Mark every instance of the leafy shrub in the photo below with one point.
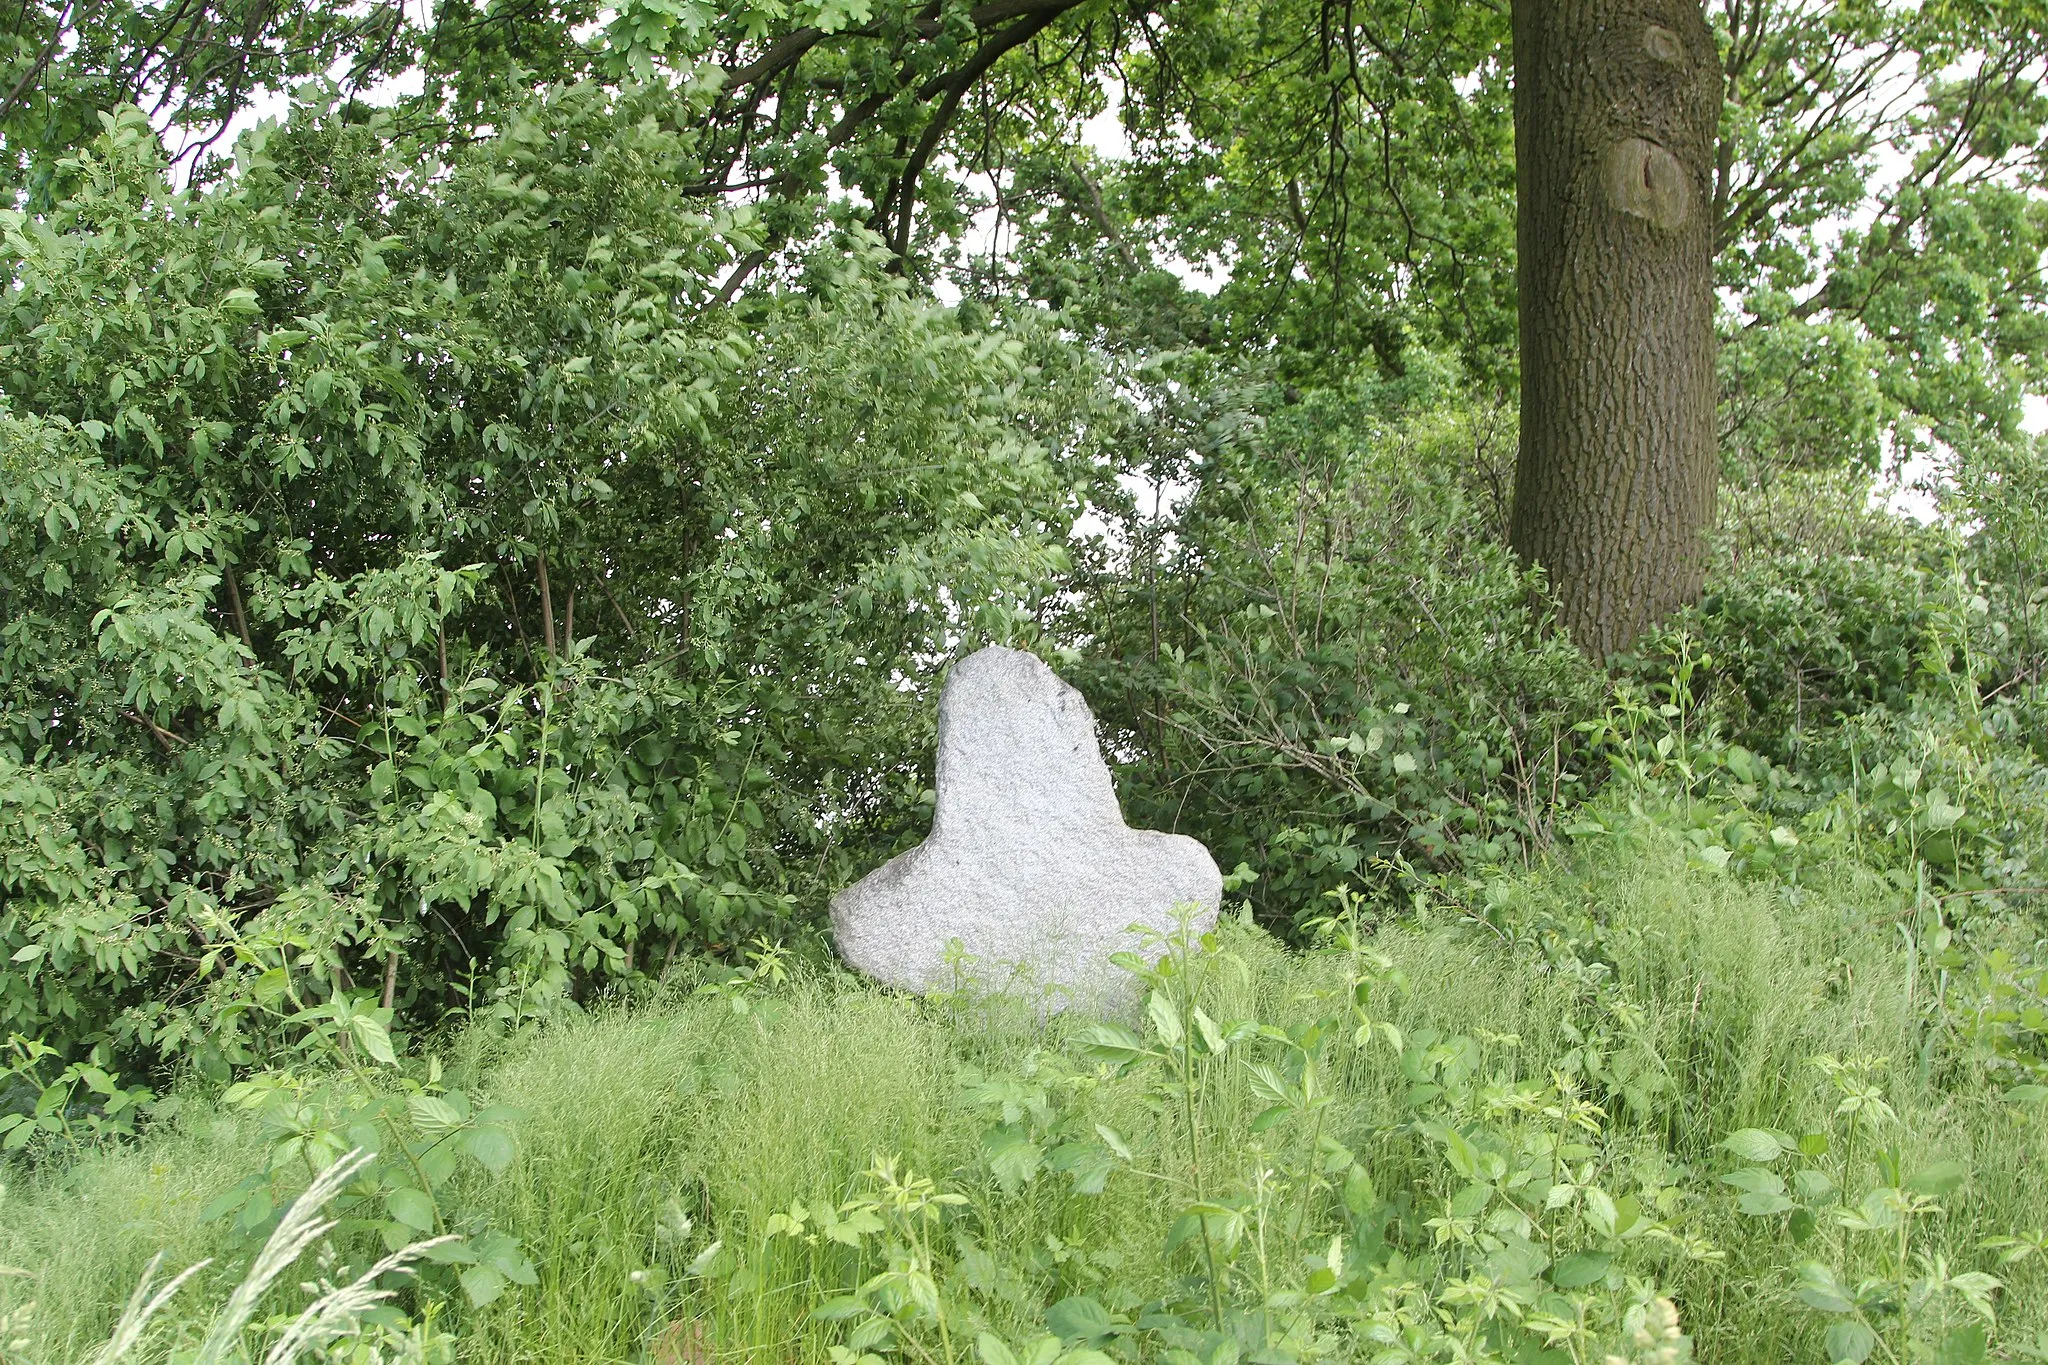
(1817, 609)
(469, 610)
(1335, 671)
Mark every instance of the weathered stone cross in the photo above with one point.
(1029, 866)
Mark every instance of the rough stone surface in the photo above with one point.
(1029, 865)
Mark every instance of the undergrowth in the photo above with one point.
(1530, 1121)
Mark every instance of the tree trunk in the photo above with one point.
(1616, 106)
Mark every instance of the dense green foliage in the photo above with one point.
(290, 686)
(477, 558)
(750, 1166)
(1281, 671)
(464, 553)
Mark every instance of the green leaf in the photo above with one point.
(1114, 1140)
(1079, 1319)
(1111, 1043)
(374, 1039)
(508, 1260)
(1268, 1084)
(1849, 1343)
(1754, 1144)
(1359, 1194)
(1468, 1202)
(1942, 1178)
(1813, 1185)
(491, 1146)
(1764, 1205)
(993, 1350)
(1012, 1156)
(1965, 1345)
(1270, 1118)
(412, 1207)
(1088, 1163)
(874, 1332)
(222, 1205)
(436, 1114)
(1600, 1211)
(1754, 1180)
(1818, 1288)
(483, 1285)
(1580, 1270)
(1165, 1019)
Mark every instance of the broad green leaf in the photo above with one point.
(1964, 1345)
(1578, 1271)
(1754, 1144)
(1819, 1288)
(1165, 1019)
(1110, 1043)
(1850, 1342)
(1941, 1178)
(374, 1038)
(412, 1207)
(1012, 1156)
(483, 1285)
(1079, 1319)
(491, 1146)
(436, 1114)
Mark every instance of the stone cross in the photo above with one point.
(1030, 867)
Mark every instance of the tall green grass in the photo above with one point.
(653, 1131)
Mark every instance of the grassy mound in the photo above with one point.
(1530, 1145)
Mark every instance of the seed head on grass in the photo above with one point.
(331, 1315)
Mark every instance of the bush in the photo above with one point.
(470, 610)
(1334, 671)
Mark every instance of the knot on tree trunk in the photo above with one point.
(1646, 181)
(1663, 45)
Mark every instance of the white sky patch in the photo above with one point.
(1158, 500)
(1912, 487)
(1908, 488)
(265, 105)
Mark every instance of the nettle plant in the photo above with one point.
(411, 1133)
(1863, 1220)
(1503, 1224)
(1515, 1235)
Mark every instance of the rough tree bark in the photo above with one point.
(1616, 106)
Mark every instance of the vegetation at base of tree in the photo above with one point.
(1527, 1114)
(477, 558)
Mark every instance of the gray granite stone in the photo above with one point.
(1029, 867)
